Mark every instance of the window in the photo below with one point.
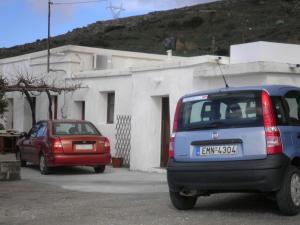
(232, 109)
(110, 107)
(279, 110)
(39, 130)
(69, 128)
(101, 62)
(83, 110)
(42, 130)
(291, 102)
(54, 106)
(33, 131)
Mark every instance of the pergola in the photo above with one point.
(29, 85)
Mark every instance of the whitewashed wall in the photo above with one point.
(265, 52)
(139, 82)
(148, 89)
(67, 62)
(95, 97)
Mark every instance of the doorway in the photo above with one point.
(165, 131)
(54, 99)
(28, 113)
(79, 110)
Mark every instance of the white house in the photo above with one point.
(143, 86)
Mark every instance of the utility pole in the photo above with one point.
(50, 3)
(48, 41)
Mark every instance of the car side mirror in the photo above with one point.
(24, 134)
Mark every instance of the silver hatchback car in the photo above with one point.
(243, 139)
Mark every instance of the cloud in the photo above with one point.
(66, 12)
(63, 12)
(38, 5)
(155, 5)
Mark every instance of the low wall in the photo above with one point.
(9, 168)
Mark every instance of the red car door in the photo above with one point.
(24, 148)
(39, 142)
(26, 145)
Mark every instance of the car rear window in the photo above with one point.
(221, 110)
(74, 128)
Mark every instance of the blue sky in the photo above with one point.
(24, 21)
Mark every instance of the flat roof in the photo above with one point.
(271, 89)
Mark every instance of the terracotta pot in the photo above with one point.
(117, 162)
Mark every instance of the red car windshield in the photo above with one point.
(74, 128)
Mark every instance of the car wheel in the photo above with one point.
(43, 165)
(19, 157)
(288, 197)
(99, 169)
(182, 202)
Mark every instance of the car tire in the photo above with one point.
(99, 169)
(43, 165)
(182, 202)
(19, 157)
(288, 197)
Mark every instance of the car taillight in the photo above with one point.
(273, 139)
(56, 145)
(106, 145)
(175, 127)
(176, 117)
(171, 146)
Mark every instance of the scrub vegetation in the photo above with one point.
(3, 102)
(201, 29)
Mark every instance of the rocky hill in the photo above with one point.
(201, 29)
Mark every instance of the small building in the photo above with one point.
(144, 88)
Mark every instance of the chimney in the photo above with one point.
(169, 53)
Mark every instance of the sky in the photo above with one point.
(25, 21)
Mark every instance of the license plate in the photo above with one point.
(84, 147)
(216, 150)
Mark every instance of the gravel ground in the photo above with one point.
(32, 202)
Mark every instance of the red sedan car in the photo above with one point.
(57, 143)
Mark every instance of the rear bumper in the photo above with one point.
(78, 160)
(251, 175)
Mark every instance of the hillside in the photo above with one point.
(201, 29)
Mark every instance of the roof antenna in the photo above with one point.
(219, 65)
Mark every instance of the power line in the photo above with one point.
(76, 2)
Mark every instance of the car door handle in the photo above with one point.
(298, 135)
